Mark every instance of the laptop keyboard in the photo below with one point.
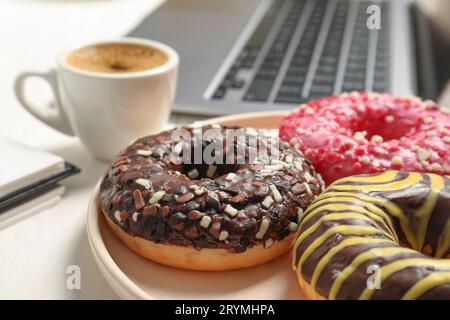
(304, 49)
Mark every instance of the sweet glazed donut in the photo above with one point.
(207, 217)
(370, 132)
(394, 223)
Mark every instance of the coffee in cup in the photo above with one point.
(117, 58)
(107, 93)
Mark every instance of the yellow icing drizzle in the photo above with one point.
(342, 245)
(412, 178)
(337, 216)
(359, 260)
(422, 215)
(333, 216)
(344, 230)
(392, 208)
(443, 242)
(427, 283)
(372, 211)
(384, 177)
(332, 207)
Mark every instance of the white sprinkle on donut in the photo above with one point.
(274, 167)
(360, 135)
(268, 243)
(349, 153)
(205, 222)
(262, 228)
(436, 167)
(230, 176)
(389, 118)
(293, 226)
(200, 191)
(279, 162)
(211, 171)
(397, 160)
(289, 158)
(135, 216)
(117, 216)
(178, 148)
(157, 196)
(230, 210)
(309, 111)
(193, 174)
(267, 202)
(376, 139)
(308, 188)
(144, 182)
(425, 164)
(144, 153)
(423, 154)
(428, 120)
(300, 214)
(307, 176)
(365, 159)
(276, 194)
(223, 235)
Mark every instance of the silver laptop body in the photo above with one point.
(243, 56)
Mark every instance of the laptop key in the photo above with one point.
(293, 99)
(260, 34)
(270, 73)
(247, 62)
(351, 86)
(259, 90)
(321, 90)
(220, 93)
(293, 79)
(290, 89)
(237, 84)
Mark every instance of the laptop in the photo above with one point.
(254, 55)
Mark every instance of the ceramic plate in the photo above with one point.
(133, 277)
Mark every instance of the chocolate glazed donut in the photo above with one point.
(208, 216)
(394, 224)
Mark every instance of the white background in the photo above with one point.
(35, 253)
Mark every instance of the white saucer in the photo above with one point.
(133, 277)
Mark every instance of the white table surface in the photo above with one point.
(35, 253)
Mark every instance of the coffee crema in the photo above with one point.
(117, 58)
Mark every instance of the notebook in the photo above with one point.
(34, 205)
(29, 180)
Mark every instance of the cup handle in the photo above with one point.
(52, 114)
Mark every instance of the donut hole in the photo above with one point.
(212, 170)
(390, 126)
(216, 155)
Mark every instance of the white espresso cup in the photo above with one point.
(106, 110)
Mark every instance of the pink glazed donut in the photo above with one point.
(356, 133)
